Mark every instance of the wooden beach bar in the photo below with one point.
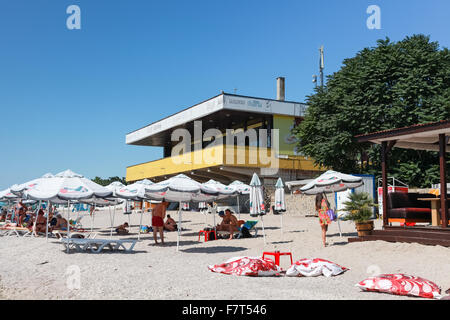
(432, 137)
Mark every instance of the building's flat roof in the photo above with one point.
(224, 101)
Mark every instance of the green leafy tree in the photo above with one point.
(392, 85)
(105, 182)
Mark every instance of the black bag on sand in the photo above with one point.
(211, 236)
(245, 233)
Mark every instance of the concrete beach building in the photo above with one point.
(226, 138)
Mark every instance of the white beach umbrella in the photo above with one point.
(223, 191)
(180, 188)
(257, 207)
(330, 182)
(68, 186)
(280, 201)
(240, 188)
(19, 189)
(8, 195)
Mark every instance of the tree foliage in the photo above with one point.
(107, 181)
(392, 85)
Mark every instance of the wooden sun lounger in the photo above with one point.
(97, 245)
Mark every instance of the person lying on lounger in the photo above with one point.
(170, 224)
(122, 229)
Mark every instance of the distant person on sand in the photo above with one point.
(158, 215)
(170, 224)
(122, 229)
(322, 206)
(229, 223)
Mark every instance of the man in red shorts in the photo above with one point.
(158, 215)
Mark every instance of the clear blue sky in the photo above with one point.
(69, 97)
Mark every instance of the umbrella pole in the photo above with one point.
(110, 220)
(48, 214)
(92, 218)
(68, 224)
(179, 225)
(35, 220)
(281, 218)
(140, 222)
(264, 232)
(239, 210)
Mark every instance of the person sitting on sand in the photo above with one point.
(41, 222)
(170, 224)
(122, 229)
(229, 223)
(61, 223)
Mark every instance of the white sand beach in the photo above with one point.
(31, 268)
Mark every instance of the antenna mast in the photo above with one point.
(321, 65)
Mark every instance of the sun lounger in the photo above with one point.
(74, 234)
(97, 245)
(17, 231)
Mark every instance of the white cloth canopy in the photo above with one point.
(332, 181)
(7, 195)
(19, 189)
(66, 185)
(256, 197)
(257, 201)
(181, 188)
(240, 187)
(280, 201)
(223, 191)
(135, 191)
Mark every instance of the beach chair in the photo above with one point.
(74, 233)
(17, 231)
(97, 245)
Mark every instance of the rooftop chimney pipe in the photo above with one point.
(280, 89)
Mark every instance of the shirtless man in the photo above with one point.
(170, 224)
(158, 215)
(122, 229)
(229, 223)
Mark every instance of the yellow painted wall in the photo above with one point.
(234, 156)
(287, 141)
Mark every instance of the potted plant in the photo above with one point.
(359, 207)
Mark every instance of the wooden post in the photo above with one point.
(443, 172)
(384, 180)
